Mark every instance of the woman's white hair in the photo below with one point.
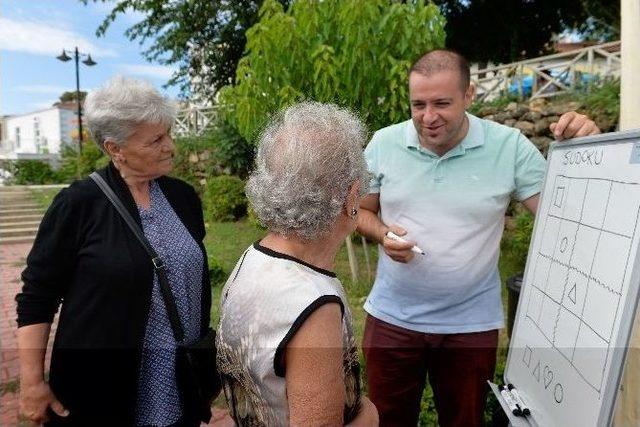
(114, 110)
(307, 160)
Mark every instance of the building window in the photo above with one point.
(36, 133)
(17, 137)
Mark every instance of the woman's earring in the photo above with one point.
(354, 213)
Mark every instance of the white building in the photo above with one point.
(38, 135)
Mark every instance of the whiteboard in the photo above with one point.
(580, 288)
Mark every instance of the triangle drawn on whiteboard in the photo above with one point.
(572, 294)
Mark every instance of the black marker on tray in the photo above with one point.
(518, 399)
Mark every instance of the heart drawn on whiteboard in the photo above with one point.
(547, 374)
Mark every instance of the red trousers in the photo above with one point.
(457, 365)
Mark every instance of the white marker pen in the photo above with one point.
(393, 236)
(513, 406)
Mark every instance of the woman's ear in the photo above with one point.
(111, 148)
(352, 203)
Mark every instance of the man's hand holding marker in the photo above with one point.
(397, 248)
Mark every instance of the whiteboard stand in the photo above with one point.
(513, 420)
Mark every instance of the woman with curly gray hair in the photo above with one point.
(286, 349)
(114, 357)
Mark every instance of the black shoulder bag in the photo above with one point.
(198, 380)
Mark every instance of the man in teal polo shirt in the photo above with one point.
(443, 180)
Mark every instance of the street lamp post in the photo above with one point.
(89, 62)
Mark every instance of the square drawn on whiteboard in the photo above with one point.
(558, 197)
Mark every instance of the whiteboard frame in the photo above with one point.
(627, 320)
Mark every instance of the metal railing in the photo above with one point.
(549, 75)
(194, 120)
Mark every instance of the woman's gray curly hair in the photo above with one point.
(114, 110)
(307, 159)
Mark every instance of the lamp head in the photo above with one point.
(64, 57)
(90, 62)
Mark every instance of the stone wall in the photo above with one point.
(533, 118)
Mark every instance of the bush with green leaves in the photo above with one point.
(220, 151)
(350, 52)
(30, 172)
(515, 241)
(75, 165)
(224, 198)
(601, 102)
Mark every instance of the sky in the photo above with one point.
(34, 32)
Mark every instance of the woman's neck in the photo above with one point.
(320, 253)
(138, 186)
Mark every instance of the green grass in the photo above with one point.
(225, 243)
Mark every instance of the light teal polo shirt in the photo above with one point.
(453, 207)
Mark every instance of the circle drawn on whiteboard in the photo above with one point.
(558, 393)
(563, 244)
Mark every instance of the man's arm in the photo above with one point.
(370, 226)
(532, 203)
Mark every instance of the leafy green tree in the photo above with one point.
(204, 38)
(603, 23)
(349, 52)
(507, 30)
(71, 96)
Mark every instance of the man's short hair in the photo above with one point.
(443, 60)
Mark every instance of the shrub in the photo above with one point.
(231, 150)
(224, 198)
(31, 172)
(221, 151)
(217, 275)
(515, 241)
(602, 103)
(74, 165)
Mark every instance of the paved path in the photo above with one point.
(12, 260)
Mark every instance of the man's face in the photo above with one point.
(438, 104)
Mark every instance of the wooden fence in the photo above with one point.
(549, 75)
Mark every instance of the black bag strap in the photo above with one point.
(158, 265)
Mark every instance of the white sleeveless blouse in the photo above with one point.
(267, 297)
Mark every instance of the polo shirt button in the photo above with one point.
(438, 179)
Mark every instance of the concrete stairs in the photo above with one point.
(20, 215)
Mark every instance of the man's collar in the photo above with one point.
(474, 137)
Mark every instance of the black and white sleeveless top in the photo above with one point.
(267, 297)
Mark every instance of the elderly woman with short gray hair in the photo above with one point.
(286, 349)
(113, 358)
